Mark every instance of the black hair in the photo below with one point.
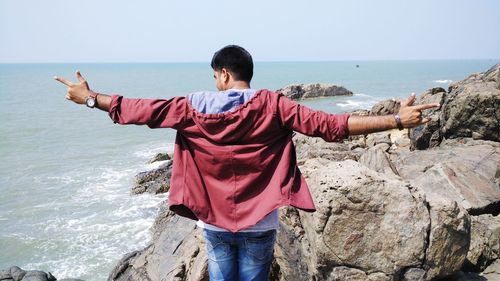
(236, 60)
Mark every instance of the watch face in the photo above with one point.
(90, 102)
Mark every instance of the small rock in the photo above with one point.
(17, 273)
(160, 157)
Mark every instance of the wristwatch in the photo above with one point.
(91, 101)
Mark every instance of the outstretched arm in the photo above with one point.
(79, 92)
(410, 116)
(156, 113)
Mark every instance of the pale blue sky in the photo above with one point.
(180, 31)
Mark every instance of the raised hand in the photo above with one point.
(411, 115)
(78, 92)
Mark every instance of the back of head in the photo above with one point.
(236, 60)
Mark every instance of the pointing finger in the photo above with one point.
(426, 106)
(64, 81)
(409, 101)
(79, 76)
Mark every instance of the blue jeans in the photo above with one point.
(240, 256)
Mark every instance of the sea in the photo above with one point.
(66, 171)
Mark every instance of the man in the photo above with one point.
(234, 159)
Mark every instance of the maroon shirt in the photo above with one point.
(232, 169)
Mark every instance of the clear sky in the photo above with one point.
(185, 31)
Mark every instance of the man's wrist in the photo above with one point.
(397, 119)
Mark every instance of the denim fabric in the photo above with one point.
(244, 256)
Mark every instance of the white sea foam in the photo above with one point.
(445, 81)
(152, 150)
(356, 104)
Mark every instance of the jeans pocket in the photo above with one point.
(217, 249)
(261, 248)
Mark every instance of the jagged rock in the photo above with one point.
(485, 242)
(472, 107)
(428, 135)
(468, 109)
(176, 253)
(160, 157)
(305, 91)
(154, 181)
(385, 107)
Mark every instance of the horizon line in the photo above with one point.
(263, 61)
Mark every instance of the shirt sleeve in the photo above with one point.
(300, 118)
(155, 113)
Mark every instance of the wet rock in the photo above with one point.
(305, 91)
(36, 275)
(15, 273)
(154, 181)
(160, 157)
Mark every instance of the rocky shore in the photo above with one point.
(420, 204)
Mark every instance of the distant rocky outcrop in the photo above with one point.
(307, 91)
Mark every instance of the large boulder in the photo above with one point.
(306, 91)
(367, 226)
(464, 173)
(469, 109)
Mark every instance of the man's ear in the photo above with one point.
(225, 75)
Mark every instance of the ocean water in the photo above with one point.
(66, 171)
